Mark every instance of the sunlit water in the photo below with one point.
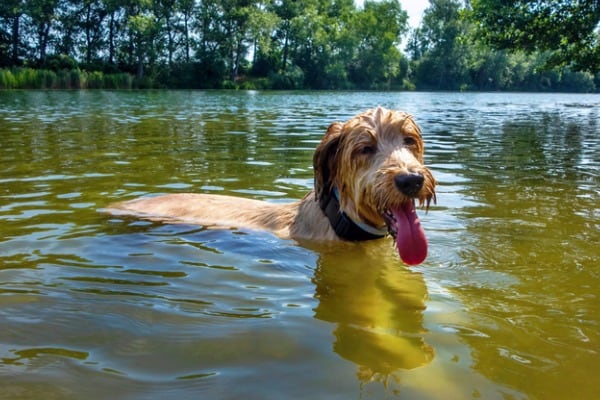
(92, 306)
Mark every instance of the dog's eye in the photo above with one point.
(410, 141)
(367, 150)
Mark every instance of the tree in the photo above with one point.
(444, 52)
(379, 28)
(42, 14)
(240, 25)
(286, 10)
(568, 28)
(11, 11)
(113, 9)
(144, 27)
(308, 44)
(186, 7)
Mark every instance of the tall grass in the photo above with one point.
(29, 78)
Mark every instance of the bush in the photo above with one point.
(256, 84)
(118, 81)
(58, 62)
(408, 85)
(46, 79)
(229, 84)
(292, 78)
(29, 78)
(78, 79)
(572, 81)
(7, 79)
(95, 80)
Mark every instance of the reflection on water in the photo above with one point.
(506, 305)
(536, 203)
(377, 309)
(529, 254)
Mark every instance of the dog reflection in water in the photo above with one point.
(377, 308)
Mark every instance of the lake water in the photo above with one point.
(92, 306)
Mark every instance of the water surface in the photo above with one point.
(92, 306)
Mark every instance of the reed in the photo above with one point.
(29, 78)
(7, 79)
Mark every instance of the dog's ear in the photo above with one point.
(324, 160)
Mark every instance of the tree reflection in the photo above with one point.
(529, 247)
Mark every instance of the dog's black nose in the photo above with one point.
(409, 184)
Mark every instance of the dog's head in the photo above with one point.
(375, 161)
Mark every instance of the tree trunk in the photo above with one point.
(43, 32)
(15, 40)
(111, 38)
(187, 38)
(140, 66)
(88, 39)
(285, 45)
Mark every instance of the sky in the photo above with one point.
(414, 8)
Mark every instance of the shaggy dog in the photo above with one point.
(368, 173)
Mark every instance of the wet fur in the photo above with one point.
(360, 157)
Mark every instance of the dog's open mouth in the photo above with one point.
(404, 225)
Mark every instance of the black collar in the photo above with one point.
(343, 226)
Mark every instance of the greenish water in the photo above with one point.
(91, 306)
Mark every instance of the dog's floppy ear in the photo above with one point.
(325, 157)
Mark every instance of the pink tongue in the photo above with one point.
(410, 238)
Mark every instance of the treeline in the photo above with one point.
(263, 44)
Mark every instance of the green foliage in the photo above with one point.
(440, 42)
(29, 78)
(448, 54)
(299, 44)
(291, 78)
(57, 62)
(95, 80)
(569, 28)
(7, 79)
(379, 28)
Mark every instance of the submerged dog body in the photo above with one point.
(301, 219)
(368, 173)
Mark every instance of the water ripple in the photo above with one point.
(506, 302)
